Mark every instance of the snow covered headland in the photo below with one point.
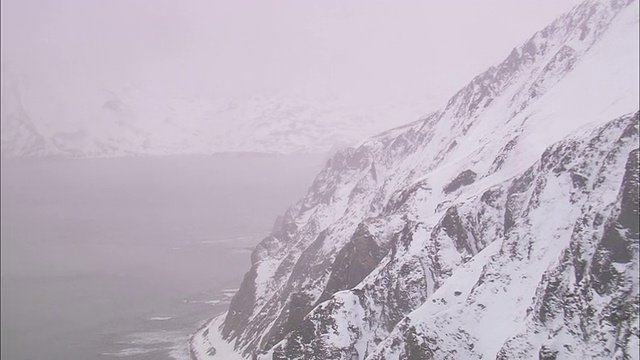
(502, 226)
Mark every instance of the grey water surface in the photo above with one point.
(126, 257)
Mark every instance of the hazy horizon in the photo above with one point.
(381, 51)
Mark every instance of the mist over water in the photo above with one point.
(125, 258)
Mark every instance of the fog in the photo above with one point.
(359, 51)
(95, 251)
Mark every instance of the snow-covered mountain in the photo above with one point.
(132, 120)
(504, 225)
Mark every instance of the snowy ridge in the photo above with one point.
(412, 244)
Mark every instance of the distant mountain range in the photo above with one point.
(133, 121)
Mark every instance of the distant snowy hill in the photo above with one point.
(503, 226)
(134, 121)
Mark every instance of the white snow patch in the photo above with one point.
(208, 343)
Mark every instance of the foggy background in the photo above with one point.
(357, 51)
(127, 257)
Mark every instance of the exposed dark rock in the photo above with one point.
(304, 342)
(579, 181)
(354, 262)
(416, 347)
(299, 306)
(491, 197)
(513, 205)
(547, 353)
(466, 177)
(503, 154)
(243, 300)
(621, 235)
(551, 299)
(454, 228)
(292, 316)
(628, 218)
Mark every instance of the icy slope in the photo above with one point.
(389, 228)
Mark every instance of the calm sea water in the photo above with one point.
(125, 258)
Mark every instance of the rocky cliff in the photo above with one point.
(502, 226)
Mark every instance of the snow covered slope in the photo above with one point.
(503, 225)
(135, 121)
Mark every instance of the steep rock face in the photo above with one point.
(420, 260)
(587, 306)
(548, 286)
(434, 219)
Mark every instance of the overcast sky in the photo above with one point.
(351, 49)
